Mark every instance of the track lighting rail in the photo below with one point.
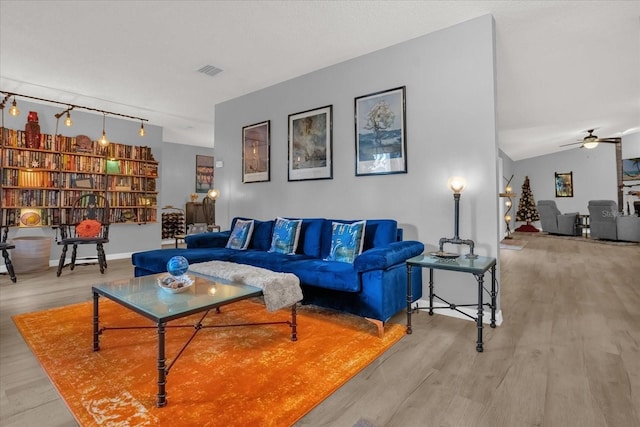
(70, 106)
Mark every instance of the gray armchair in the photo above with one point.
(607, 223)
(555, 222)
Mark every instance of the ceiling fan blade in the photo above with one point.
(573, 143)
(610, 140)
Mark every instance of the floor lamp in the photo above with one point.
(508, 194)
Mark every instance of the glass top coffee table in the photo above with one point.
(144, 296)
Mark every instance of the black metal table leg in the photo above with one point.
(431, 292)
(409, 298)
(162, 373)
(480, 278)
(96, 322)
(493, 297)
(294, 331)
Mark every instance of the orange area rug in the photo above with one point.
(235, 376)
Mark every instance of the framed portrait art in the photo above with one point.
(310, 145)
(564, 184)
(256, 149)
(204, 173)
(381, 135)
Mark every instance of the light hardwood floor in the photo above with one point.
(567, 353)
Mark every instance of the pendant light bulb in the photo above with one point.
(141, 131)
(103, 141)
(67, 121)
(14, 108)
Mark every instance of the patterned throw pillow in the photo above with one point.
(286, 234)
(88, 228)
(241, 235)
(346, 241)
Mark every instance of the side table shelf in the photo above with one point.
(478, 267)
(583, 225)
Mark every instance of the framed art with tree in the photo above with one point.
(381, 136)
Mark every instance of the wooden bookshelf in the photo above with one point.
(38, 184)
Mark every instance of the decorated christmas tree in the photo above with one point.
(527, 210)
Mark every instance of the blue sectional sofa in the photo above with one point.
(373, 286)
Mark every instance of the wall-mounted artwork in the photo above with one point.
(631, 169)
(256, 148)
(380, 125)
(310, 144)
(204, 173)
(564, 184)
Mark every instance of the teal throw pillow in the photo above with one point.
(240, 235)
(286, 234)
(346, 241)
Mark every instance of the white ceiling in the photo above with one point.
(562, 66)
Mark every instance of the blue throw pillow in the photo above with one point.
(241, 235)
(286, 234)
(346, 241)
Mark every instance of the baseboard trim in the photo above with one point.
(468, 310)
(79, 261)
(90, 259)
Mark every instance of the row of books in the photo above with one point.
(130, 199)
(24, 178)
(71, 144)
(39, 198)
(131, 167)
(79, 163)
(123, 151)
(29, 159)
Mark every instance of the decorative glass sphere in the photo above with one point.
(177, 266)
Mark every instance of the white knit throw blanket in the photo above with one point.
(280, 290)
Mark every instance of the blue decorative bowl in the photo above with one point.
(177, 266)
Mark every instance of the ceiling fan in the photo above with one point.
(591, 141)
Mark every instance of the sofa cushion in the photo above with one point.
(326, 274)
(380, 232)
(270, 260)
(240, 235)
(310, 233)
(346, 241)
(286, 234)
(155, 261)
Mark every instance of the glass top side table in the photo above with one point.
(478, 267)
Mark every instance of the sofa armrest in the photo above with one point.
(384, 257)
(567, 223)
(628, 228)
(207, 240)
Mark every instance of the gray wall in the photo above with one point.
(178, 173)
(123, 238)
(594, 174)
(450, 80)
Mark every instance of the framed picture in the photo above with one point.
(310, 144)
(381, 133)
(631, 169)
(564, 184)
(256, 147)
(204, 173)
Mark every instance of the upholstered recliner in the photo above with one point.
(607, 223)
(555, 222)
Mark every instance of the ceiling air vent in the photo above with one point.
(209, 70)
